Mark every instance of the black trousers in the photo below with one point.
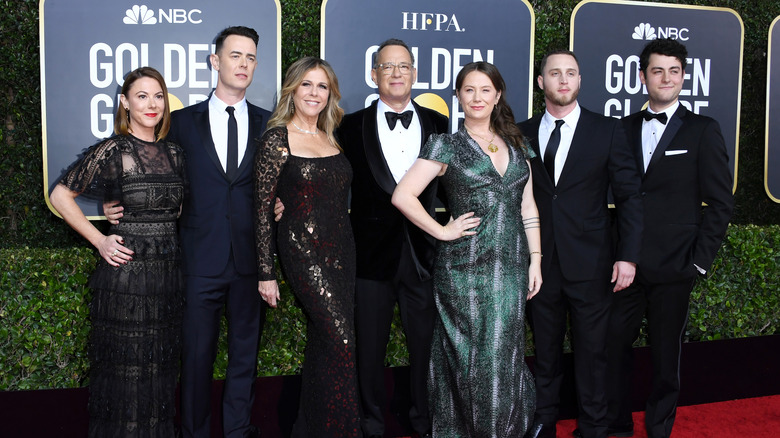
(587, 303)
(666, 307)
(206, 297)
(374, 305)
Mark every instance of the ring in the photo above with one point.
(462, 234)
(113, 254)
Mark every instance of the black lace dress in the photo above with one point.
(136, 308)
(317, 251)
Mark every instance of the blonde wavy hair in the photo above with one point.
(331, 115)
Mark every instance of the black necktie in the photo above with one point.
(393, 117)
(232, 144)
(552, 149)
(661, 117)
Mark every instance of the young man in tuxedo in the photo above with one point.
(579, 156)
(220, 262)
(684, 166)
(394, 257)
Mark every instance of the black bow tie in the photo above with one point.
(393, 117)
(661, 117)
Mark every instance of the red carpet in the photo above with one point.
(750, 417)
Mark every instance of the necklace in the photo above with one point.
(491, 147)
(316, 131)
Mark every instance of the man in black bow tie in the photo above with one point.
(684, 164)
(394, 257)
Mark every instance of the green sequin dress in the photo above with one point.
(480, 385)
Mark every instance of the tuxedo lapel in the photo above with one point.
(204, 131)
(532, 134)
(255, 128)
(373, 148)
(426, 124)
(635, 140)
(672, 126)
(576, 148)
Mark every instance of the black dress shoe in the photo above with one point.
(619, 431)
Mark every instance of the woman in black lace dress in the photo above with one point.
(136, 287)
(300, 161)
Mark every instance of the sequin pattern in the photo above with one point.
(317, 252)
(479, 383)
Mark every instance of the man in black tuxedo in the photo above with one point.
(580, 155)
(216, 225)
(684, 164)
(394, 257)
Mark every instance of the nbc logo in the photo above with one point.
(143, 15)
(644, 32)
(139, 15)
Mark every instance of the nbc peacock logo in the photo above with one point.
(644, 31)
(139, 15)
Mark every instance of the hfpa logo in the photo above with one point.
(431, 21)
(644, 31)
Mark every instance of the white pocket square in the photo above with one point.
(677, 152)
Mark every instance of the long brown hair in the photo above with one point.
(502, 120)
(122, 119)
(331, 115)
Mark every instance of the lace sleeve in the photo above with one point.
(272, 153)
(96, 173)
(178, 157)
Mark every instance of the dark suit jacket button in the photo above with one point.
(555, 196)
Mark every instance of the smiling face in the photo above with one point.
(311, 96)
(560, 80)
(395, 87)
(145, 104)
(478, 96)
(663, 78)
(235, 63)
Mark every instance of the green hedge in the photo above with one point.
(25, 219)
(44, 317)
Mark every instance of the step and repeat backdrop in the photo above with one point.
(444, 36)
(608, 37)
(772, 157)
(87, 46)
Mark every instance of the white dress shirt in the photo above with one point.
(218, 121)
(652, 130)
(401, 146)
(546, 127)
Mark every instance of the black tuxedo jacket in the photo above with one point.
(379, 227)
(575, 219)
(217, 214)
(689, 166)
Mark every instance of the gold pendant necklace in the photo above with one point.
(491, 147)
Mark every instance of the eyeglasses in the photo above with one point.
(387, 67)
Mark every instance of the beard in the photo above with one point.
(562, 100)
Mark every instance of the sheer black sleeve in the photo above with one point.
(272, 153)
(96, 173)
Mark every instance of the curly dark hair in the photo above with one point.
(666, 47)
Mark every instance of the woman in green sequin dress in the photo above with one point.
(487, 264)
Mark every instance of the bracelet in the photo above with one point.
(537, 252)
